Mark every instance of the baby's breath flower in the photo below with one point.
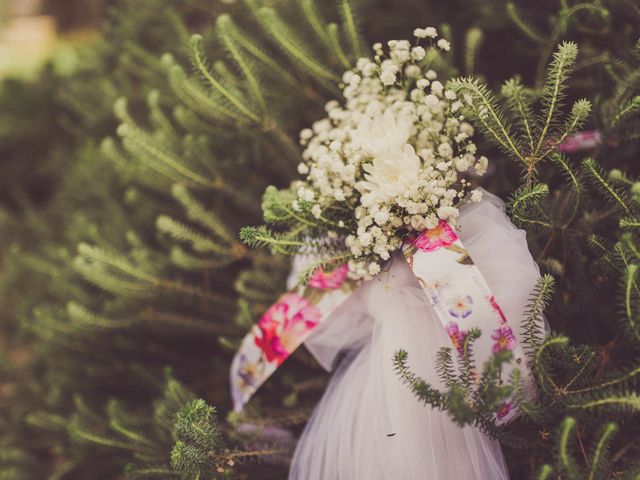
(422, 83)
(387, 161)
(444, 44)
(437, 88)
(374, 268)
(429, 32)
(388, 77)
(431, 75)
(417, 53)
(419, 33)
(476, 195)
(481, 166)
(412, 71)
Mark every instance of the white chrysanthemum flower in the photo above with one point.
(392, 173)
(384, 133)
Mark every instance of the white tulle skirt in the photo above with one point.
(368, 425)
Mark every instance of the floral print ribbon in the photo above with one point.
(577, 142)
(454, 285)
(283, 328)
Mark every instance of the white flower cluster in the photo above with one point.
(388, 162)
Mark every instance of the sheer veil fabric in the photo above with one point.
(368, 425)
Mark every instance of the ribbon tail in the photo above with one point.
(278, 333)
(462, 300)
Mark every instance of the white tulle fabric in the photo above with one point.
(368, 425)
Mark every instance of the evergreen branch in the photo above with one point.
(628, 222)
(197, 99)
(109, 282)
(630, 109)
(520, 105)
(293, 46)
(445, 368)
(327, 262)
(81, 315)
(545, 472)
(350, 25)
(160, 119)
(566, 460)
(256, 287)
(224, 24)
(630, 401)
(540, 370)
(466, 359)
(534, 311)
(130, 434)
(489, 114)
(586, 363)
(576, 185)
(618, 380)
(425, 392)
(315, 20)
(334, 37)
(233, 98)
(253, 46)
(328, 35)
(187, 261)
(163, 162)
(553, 91)
(600, 450)
(630, 285)
(262, 237)
(144, 281)
(197, 213)
(579, 113)
(521, 203)
(277, 207)
(595, 173)
(116, 261)
(518, 21)
(473, 41)
(191, 121)
(199, 242)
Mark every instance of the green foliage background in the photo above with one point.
(124, 286)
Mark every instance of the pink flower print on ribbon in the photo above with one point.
(435, 238)
(581, 141)
(461, 307)
(284, 325)
(504, 339)
(332, 280)
(457, 336)
(504, 410)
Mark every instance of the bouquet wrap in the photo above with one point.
(449, 278)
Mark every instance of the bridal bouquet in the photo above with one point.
(388, 164)
(387, 171)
